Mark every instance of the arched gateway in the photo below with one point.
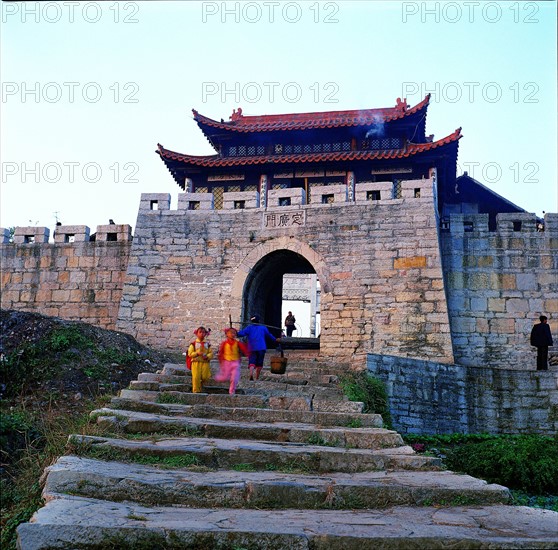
(258, 282)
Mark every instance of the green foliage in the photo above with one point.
(29, 443)
(354, 423)
(528, 463)
(361, 386)
(549, 502)
(50, 357)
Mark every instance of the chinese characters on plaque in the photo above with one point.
(278, 220)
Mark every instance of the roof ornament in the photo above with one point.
(401, 105)
(236, 115)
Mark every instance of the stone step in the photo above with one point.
(295, 377)
(252, 414)
(271, 399)
(77, 522)
(294, 432)
(225, 453)
(307, 367)
(247, 489)
(221, 398)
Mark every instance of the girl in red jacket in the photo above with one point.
(229, 359)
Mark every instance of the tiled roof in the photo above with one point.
(215, 161)
(302, 121)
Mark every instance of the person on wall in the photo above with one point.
(290, 323)
(541, 338)
(256, 336)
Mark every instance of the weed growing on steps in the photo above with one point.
(244, 467)
(361, 386)
(354, 423)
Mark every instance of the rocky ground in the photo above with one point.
(42, 356)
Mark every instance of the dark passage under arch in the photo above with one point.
(262, 294)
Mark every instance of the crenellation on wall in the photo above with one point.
(4, 235)
(319, 194)
(155, 201)
(195, 201)
(113, 233)
(240, 200)
(292, 197)
(417, 189)
(31, 235)
(71, 233)
(374, 191)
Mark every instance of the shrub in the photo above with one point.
(526, 462)
(361, 386)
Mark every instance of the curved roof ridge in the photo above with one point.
(217, 161)
(319, 119)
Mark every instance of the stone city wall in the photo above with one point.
(498, 284)
(73, 278)
(433, 398)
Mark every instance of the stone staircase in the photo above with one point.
(288, 462)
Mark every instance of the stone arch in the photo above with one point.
(268, 262)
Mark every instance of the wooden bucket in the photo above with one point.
(278, 364)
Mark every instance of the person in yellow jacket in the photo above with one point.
(201, 353)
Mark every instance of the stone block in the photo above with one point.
(241, 200)
(113, 233)
(154, 202)
(71, 233)
(195, 201)
(328, 194)
(374, 191)
(30, 235)
(286, 197)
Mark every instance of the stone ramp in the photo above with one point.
(76, 522)
(247, 488)
(280, 465)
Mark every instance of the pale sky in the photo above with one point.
(89, 89)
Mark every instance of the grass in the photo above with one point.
(34, 362)
(29, 442)
(361, 386)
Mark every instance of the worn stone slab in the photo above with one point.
(296, 432)
(274, 413)
(84, 522)
(225, 453)
(154, 486)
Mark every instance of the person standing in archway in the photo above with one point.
(290, 323)
(257, 335)
(541, 338)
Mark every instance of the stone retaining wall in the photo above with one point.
(435, 398)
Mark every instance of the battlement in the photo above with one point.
(507, 224)
(364, 192)
(64, 234)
